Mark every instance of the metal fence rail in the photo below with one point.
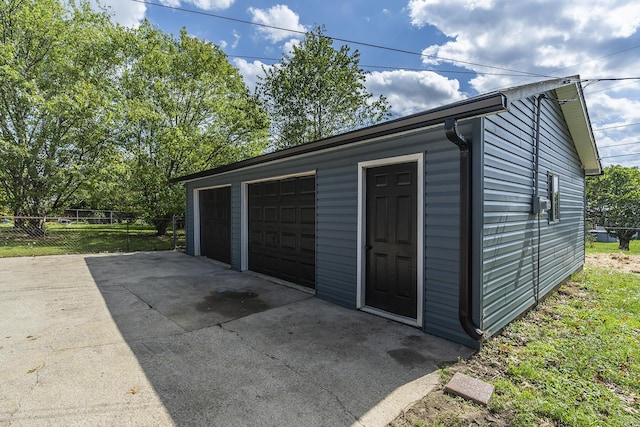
(32, 236)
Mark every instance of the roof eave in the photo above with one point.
(574, 108)
(469, 108)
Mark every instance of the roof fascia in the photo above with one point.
(574, 108)
(473, 107)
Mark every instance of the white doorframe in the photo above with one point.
(362, 215)
(196, 215)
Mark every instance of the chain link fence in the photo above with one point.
(33, 236)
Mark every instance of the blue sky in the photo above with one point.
(461, 48)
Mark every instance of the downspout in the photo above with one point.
(535, 205)
(465, 294)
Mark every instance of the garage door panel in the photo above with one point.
(288, 214)
(308, 215)
(270, 189)
(283, 213)
(255, 214)
(288, 187)
(308, 185)
(288, 241)
(308, 243)
(271, 214)
(215, 223)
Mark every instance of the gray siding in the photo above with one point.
(337, 209)
(505, 234)
(442, 210)
(510, 232)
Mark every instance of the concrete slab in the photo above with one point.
(470, 388)
(168, 339)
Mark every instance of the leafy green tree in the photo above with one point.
(613, 201)
(186, 109)
(57, 73)
(318, 91)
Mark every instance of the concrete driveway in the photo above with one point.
(167, 339)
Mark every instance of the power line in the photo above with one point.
(616, 127)
(621, 155)
(519, 73)
(611, 79)
(597, 58)
(372, 45)
(610, 87)
(388, 67)
(620, 145)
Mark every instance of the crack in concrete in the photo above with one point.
(297, 372)
(28, 393)
(150, 307)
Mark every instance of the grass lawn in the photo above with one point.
(84, 238)
(606, 248)
(573, 361)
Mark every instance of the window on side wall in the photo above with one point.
(554, 197)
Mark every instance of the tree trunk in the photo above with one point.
(624, 244)
(161, 225)
(33, 227)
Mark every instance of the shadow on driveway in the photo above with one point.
(165, 338)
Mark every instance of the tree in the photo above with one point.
(186, 109)
(613, 201)
(317, 91)
(57, 67)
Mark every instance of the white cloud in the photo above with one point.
(612, 110)
(277, 16)
(287, 48)
(547, 38)
(125, 12)
(250, 71)
(410, 92)
(170, 3)
(208, 4)
(130, 13)
(540, 36)
(236, 39)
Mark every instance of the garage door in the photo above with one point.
(215, 223)
(282, 229)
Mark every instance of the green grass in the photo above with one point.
(572, 361)
(84, 238)
(575, 360)
(610, 248)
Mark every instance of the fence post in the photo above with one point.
(173, 218)
(128, 234)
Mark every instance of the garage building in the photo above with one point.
(455, 220)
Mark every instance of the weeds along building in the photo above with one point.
(455, 220)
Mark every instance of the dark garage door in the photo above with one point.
(282, 222)
(215, 223)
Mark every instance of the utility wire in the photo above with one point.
(519, 73)
(620, 145)
(372, 45)
(621, 155)
(388, 67)
(597, 58)
(616, 127)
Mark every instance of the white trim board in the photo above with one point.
(361, 260)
